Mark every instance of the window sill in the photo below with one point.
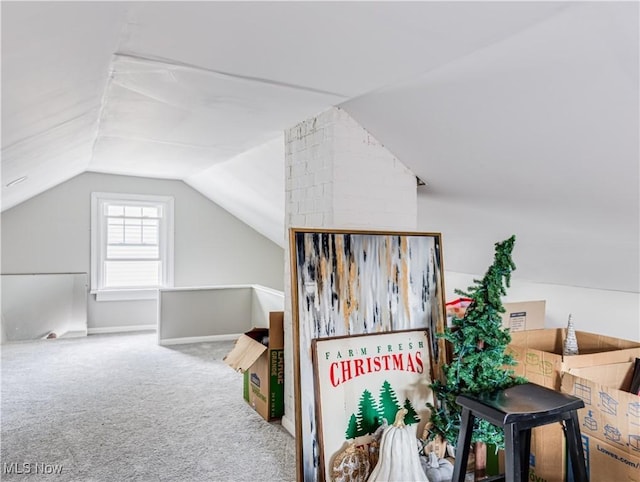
(126, 295)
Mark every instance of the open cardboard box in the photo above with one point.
(540, 360)
(611, 414)
(263, 366)
(606, 462)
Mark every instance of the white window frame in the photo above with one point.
(99, 244)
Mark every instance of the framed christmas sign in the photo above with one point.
(360, 384)
(347, 283)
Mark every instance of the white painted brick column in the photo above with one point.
(339, 177)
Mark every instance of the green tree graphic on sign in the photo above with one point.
(389, 405)
(367, 417)
(370, 414)
(352, 429)
(412, 415)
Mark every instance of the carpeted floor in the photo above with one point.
(122, 408)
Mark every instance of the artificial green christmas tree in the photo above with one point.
(479, 362)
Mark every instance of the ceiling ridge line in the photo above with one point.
(248, 78)
(123, 32)
(234, 157)
(103, 103)
(156, 141)
(489, 43)
(148, 95)
(60, 125)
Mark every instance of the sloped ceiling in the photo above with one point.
(524, 109)
(538, 135)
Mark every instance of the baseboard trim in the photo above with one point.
(120, 329)
(74, 334)
(197, 339)
(288, 425)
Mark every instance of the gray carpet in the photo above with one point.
(120, 407)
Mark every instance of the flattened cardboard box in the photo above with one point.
(262, 366)
(606, 463)
(524, 315)
(611, 414)
(540, 360)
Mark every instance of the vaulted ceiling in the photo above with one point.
(521, 116)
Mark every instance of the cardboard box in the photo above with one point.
(518, 316)
(611, 414)
(524, 315)
(548, 457)
(540, 360)
(606, 462)
(263, 366)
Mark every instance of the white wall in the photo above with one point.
(35, 305)
(205, 313)
(575, 271)
(606, 312)
(264, 301)
(189, 315)
(50, 233)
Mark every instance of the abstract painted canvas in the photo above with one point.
(353, 283)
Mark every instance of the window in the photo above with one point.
(131, 245)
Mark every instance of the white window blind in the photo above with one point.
(133, 246)
(132, 242)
